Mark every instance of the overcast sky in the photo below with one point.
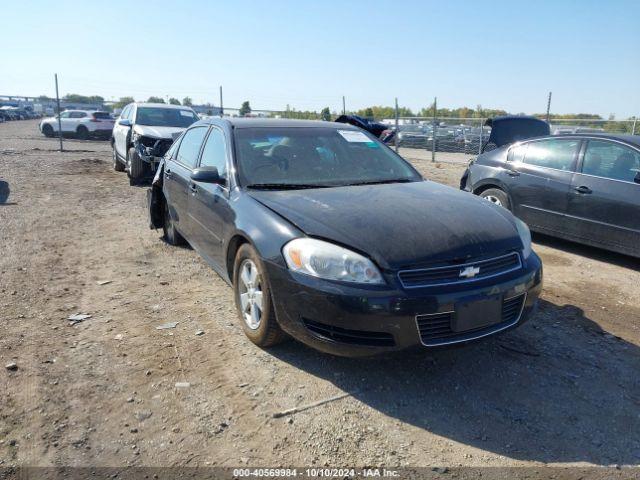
(500, 54)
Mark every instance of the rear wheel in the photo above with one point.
(47, 130)
(82, 133)
(497, 196)
(253, 299)
(135, 167)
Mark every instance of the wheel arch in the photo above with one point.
(233, 246)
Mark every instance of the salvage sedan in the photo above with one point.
(328, 236)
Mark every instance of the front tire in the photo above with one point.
(497, 196)
(82, 133)
(118, 166)
(171, 234)
(253, 299)
(47, 130)
(135, 167)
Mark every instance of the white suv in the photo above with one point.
(143, 134)
(82, 123)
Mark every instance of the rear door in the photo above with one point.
(177, 178)
(540, 178)
(209, 203)
(604, 201)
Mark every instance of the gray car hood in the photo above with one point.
(399, 225)
(157, 132)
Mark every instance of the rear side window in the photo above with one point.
(517, 153)
(214, 153)
(552, 153)
(190, 146)
(102, 115)
(78, 115)
(610, 160)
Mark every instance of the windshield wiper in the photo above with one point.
(378, 182)
(284, 186)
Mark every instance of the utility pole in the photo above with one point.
(344, 106)
(548, 106)
(221, 107)
(59, 121)
(395, 137)
(433, 133)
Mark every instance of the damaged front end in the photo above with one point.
(151, 150)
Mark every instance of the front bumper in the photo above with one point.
(366, 320)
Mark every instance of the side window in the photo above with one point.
(124, 114)
(171, 153)
(215, 153)
(552, 153)
(516, 154)
(78, 115)
(190, 146)
(64, 114)
(610, 160)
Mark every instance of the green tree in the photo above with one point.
(187, 101)
(123, 102)
(245, 109)
(75, 98)
(369, 113)
(174, 101)
(153, 99)
(325, 114)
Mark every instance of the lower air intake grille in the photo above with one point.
(435, 329)
(353, 337)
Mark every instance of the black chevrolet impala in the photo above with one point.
(328, 236)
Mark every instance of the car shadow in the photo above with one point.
(558, 389)
(594, 253)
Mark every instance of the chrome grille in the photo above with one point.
(453, 274)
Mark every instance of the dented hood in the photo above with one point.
(510, 129)
(157, 132)
(399, 225)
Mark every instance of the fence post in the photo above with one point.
(481, 133)
(633, 129)
(548, 107)
(433, 133)
(221, 107)
(395, 137)
(59, 120)
(344, 106)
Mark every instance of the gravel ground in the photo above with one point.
(109, 391)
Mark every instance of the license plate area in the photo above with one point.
(477, 313)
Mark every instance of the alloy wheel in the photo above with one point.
(250, 290)
(493, 199)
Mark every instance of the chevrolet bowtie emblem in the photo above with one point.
(469, 272)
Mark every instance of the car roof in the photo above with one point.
(242, 122)
(162, 105)
(632, 139)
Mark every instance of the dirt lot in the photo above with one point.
(563, 389)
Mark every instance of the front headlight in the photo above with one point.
(525, 236)
(326, 260)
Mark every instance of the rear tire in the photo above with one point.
(252, 294)
(135, 167)
(171, 234)
(118, 166)
(497, 196)
(47, 130)
(82, 133)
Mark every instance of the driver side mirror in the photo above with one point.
(207, 175)
(125, 122)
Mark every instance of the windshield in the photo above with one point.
(165, 117)
(315, 157)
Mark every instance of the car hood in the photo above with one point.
(157, 132)
(400, 225)
(510, 129)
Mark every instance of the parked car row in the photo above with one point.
(458, 139)
(326, 235)
(9, 113)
